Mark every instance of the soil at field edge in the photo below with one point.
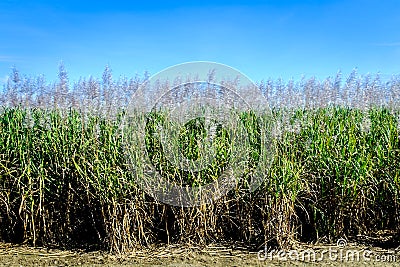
(185, 255)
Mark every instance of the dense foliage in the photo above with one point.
(65, 179)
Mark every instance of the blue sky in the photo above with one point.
(263, 39)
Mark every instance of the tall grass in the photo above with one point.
(65, 179)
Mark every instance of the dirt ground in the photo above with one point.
(212, 255)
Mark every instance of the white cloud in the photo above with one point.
(392, 44)
(4, 58)
(9, 59)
